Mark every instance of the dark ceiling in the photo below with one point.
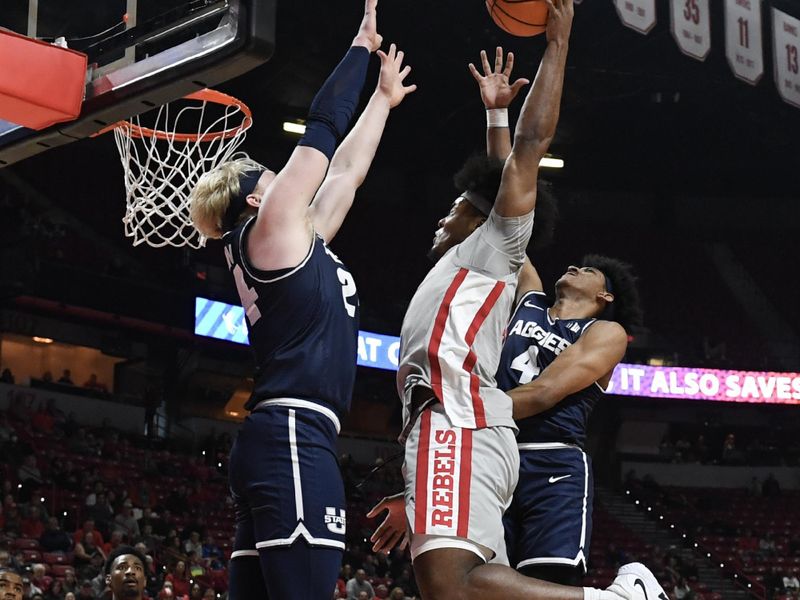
(645, 132)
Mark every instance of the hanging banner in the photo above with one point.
(786, 39)
(691, 27)
(743, 43)
(639, 15)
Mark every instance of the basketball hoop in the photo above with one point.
(162, 166)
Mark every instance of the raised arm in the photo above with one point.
(283, 232)
(592, 358)
(352, 160)
(497, 93)
(537, 121)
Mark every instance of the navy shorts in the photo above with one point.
(284, 473)
(550, 518)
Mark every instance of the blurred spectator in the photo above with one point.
(179, 578)
(32, 525)
(39, 579)
(70, 596)
(56, 591)
(766, 546)
(212, 553)
(173, 550)
(359, 584)
(773, 582)
(196, 592)
(7, 376)
(125, 521)
(790, 582)
(209, 594)
(55, 539)
(28, 589)
(88, 527)
(770, 488)
(47, 377)
(113, 543)
(93, 384)
(66, 378)
(99, 488)
(29, 472)
(89, 557)
(42, 421)
(397, 594)
(381, 591)
(166, 590)
(70, 580)
(102, 513)
(193, 544)
(86, 591)
(755, 487)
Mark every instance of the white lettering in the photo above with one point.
(709, 384)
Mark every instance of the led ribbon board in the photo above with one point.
(227, 322)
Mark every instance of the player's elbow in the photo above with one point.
(531, 144)
(530, 401)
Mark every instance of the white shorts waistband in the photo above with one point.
(298, 403)
(548, 446)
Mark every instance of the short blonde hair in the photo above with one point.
(212, 195)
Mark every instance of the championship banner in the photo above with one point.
(786, 40)
(743, 43)
(691, 27)
(379, 351)
(639, 15)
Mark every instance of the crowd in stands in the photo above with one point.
(714, 445)
(71, 494)
(752, 531)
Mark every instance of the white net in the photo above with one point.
(162, 166)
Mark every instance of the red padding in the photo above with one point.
(40, 84)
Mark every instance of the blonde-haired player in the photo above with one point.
(302, 314)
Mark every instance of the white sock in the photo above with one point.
(596, 594)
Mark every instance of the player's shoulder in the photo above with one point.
(601, 331)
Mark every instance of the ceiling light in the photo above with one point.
(297, 128)
(42, 340)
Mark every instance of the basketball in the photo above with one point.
(523, 18)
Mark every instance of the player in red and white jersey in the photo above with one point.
(461, 459)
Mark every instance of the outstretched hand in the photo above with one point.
(497, 91)
(390, 82)
(394, 529)
(368, 35)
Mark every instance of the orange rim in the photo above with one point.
(205, 95)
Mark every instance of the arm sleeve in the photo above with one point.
(497, 247)
(335, 103)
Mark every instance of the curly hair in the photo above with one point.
(626, 308)
(121, 551)
(482, 174)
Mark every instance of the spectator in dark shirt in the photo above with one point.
(7, 377)
(66, 378)
(770, 487)
(55, 539)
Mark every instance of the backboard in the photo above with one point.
(142, 54)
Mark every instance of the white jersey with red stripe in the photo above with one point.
(453, 329)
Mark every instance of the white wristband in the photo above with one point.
(496, 117)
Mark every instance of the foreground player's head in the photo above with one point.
(227, 194)
(607, 282)
(125, 573)
(10, 585)
(479, 179)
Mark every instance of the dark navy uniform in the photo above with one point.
(550, 519)
(284, 476)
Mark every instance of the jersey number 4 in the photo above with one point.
(526, 364)
(247, 295)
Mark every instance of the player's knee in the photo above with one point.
(444, 574)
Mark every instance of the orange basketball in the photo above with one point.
(523, 18)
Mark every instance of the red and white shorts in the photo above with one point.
(459, 482)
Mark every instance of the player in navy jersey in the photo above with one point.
(549, 523)
(302, 313)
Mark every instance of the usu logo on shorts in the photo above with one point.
(336, 523)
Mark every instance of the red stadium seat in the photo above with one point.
(26, 544)
(60, 570)
(30, 556)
